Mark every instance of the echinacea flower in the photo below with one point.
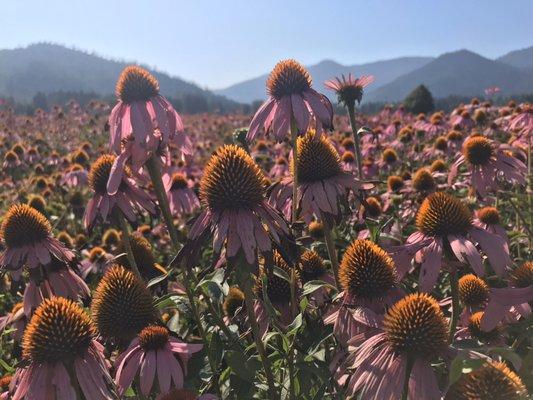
(368, 280)
(236, 212)
(75, 176)
(27, 235)
(127, 197)
(412, 333)
(493, 380)
(290, 96)
(444, 220)
(16, 320)
(153, 352)
(349, 89)
(142, 123)
(122, 305)
(181, 196)
(95, 262)
(311, 267)
(487, 162)
(61, 355)
(322, 181)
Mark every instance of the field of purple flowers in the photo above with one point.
(292, 254)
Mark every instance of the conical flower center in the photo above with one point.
(58, 331)
(23, 225)
(122, 305)
(311, 266)
(395, 183)
(232, 181)
(441, 143)
(278, 289)
(477, 150)
(179, 181)
(438, 166)
(317, 158)
(489, 215)
(233, 301)
(372, 207)
(111, 237)
(494, 380)
(348, 157)
(423, 181)
(37, 202)
(96, 254)
(136, 84)
(473, 291)
(441, 214)
(80, 157)
(389, 156)
(99, 173)
(522, 277)
(142, 252)
(153, 337)
(415, 326)
(11, 156)
(366, 270)
(288, 77)
(474, 327)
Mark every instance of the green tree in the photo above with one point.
(419, 100)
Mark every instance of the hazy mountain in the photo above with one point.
(49, 68)
(384, 71)
(519, 58)
(461, 73)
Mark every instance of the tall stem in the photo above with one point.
(332, 253)
(154, 170)
(248, 299)
(294, 139)
(124, 227)
(408, 369)
(357, 143)
(454, 285)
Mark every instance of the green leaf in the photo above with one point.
(238, 364)
(216, 348)
(509, 355)
(281, 274)
(311, 286)
(158, 279)
(295, 325)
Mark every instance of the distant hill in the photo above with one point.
(50, 68)
(384, 71)
(519, 58)
(461, 73)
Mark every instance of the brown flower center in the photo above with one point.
(179, 181)
(423, 180)
(441, 214)
(153, 337)
(58, 331)
(232, 181)
(136, 84)
(317, 159)
(24, 225)
(366, 270)
(288, 77)
(233, 301)
(473, 291)
(389, 156)
(474, 327)
(415, 326)
(395, 183)
(522, 276)
(489, 215)
(477, 150)
(311, 266)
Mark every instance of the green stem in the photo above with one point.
(154, 170)
(290, 361)
(408, 369)
(294, 138)
(248, 298)
(332, 253)
(454, 285)
(357, 143)
(124, 227)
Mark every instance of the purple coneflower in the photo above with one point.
(142, 123)
(63, 360)
(153, 352)
(181, 196)
(126, 198)
(397, 360)
(444, 221)
(27, 235)
(290, 96)
(236, 212)
(486, 162)
(75, 176)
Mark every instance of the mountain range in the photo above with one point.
(50, 68)
(462, 72)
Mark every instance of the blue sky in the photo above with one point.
(216, 43)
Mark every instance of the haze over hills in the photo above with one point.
(384, 71)
(462, 73)
(49, 68)
(458, 73)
